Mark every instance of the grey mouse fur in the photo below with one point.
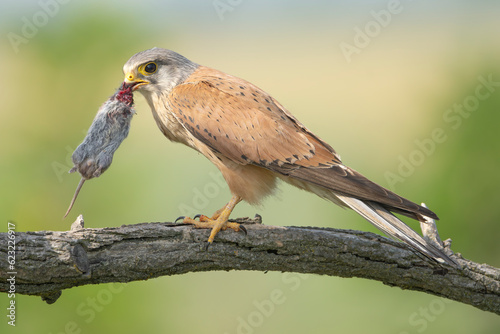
(110, 127)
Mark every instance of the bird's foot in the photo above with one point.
(218, 221)
(216, 225)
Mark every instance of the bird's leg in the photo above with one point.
(219, 221)
(215, 215)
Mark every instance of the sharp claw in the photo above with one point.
(181, 217)
(207, 245)
(197, 216)
(244, 229)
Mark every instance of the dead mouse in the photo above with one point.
(108, 130)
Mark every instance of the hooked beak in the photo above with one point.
(133, 82)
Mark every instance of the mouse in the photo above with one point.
(109, 128)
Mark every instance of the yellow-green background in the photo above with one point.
(372, 110)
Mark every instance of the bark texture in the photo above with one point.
(48, 262)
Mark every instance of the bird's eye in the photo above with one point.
(150, 68)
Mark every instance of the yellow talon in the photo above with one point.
(219, 220)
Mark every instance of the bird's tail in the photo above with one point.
(385, 221)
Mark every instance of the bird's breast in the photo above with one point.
(167, 121)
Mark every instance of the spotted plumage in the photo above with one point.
(254, 141)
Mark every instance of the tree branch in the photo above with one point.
(48, 261)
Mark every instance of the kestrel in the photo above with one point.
(254, 141)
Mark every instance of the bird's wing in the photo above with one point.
(243, 123)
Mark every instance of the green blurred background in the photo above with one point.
(373, 108)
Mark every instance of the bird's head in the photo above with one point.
(156, 70)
